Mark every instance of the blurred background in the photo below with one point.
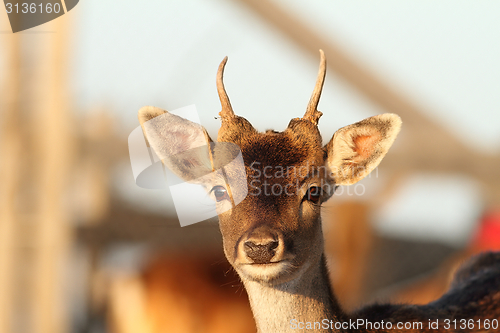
(83, 249)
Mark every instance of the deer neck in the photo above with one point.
(306, 299)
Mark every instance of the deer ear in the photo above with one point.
(357, 149)
(182, 145)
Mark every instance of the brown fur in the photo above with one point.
(470, 298)
(275, 241)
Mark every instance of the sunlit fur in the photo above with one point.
(275, 241)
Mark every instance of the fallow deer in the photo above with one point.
(274, 239)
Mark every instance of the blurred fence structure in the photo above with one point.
(37, 155)
(56, 199)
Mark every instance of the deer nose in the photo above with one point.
(263, 252)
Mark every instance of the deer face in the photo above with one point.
(275, 230)
(274, 233)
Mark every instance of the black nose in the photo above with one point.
(261, 253)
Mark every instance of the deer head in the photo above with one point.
(273, 234)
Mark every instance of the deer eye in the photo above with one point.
(313, 194)
(220, 193)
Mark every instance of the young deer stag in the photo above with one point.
(273, 237)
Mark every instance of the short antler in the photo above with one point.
(312, 114)
(227, 109)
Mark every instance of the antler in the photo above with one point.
(227, 109)
(312, 114)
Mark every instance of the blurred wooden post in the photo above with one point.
(349, 239)
(54, 151)
(10, 152)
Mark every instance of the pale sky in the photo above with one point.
(443, 55)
